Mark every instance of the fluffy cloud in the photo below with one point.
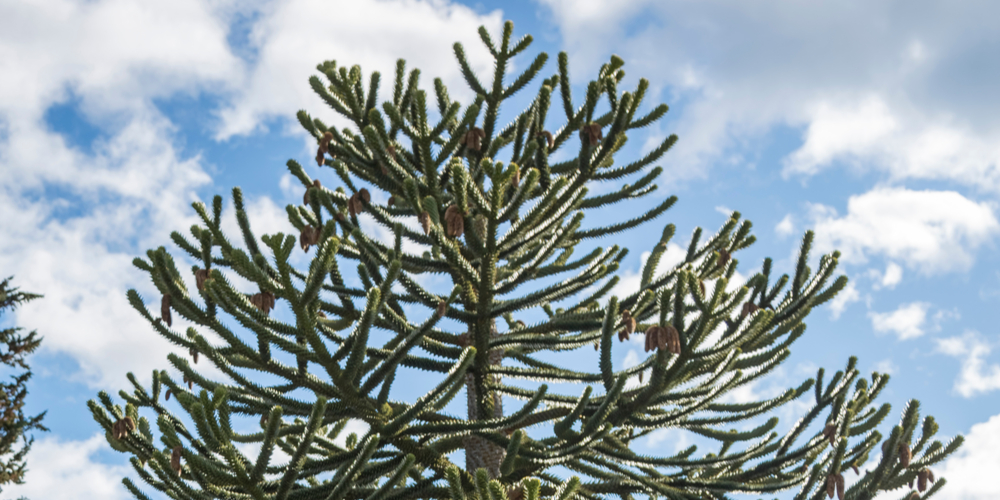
(932, 231)
(906, 322)
(66, 470)
(77, 249)
(905, 91)
(975, 376)
(892, 276)
(978, 458)
(785, 227)
(291, 38)
(114, 54)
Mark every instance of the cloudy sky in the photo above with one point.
(875, 124)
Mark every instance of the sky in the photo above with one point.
(874, 124)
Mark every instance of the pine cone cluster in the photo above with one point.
(628, 326)
(835, 482)
(324, 145)
(263, 301)
(474, 138)
(356, 203)
(660, 337)
(748, 308)
(923, 476)
(122, 428)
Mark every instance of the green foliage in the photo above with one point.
(502, 233)
(14, 425)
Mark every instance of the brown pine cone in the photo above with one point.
(454, 222)
(305, 196)
(324, 146)
(829, 432)
(425, 222)
(356, 203)
(175, 459)
(659, 337)
(548, 138)
(194, 354)
(474, 138)
(591, 133)
(442, 308)
(723, 257)
(831, 485)
(116, 430)
(840, 486)
(653, 335)
(673, 340)
(748, 308)
(263, 301)
(904, 454)
(922, 477)
(623, 335)
(165, 308)
(200, 276)
(628, 322)
(309, 237)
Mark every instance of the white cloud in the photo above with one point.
(78, 251)
(893, 275)
(291, 38)
(66, 470)
(932, 231)
(785, 227)
(907, 321)
(839, 130)
(113, 54)
(907, 96)
(978, 458)
(840, 302)
(975, 376)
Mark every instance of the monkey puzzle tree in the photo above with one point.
(14, 425)
(502, 234)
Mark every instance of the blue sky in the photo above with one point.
(875, 125)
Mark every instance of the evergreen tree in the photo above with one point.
(14, 425)
(503, 234)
